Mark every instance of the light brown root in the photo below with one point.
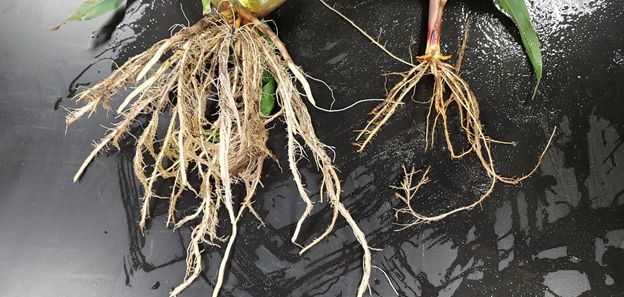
(446, 77)
(383, 112)
(462, 98)
(408, 190)
(366, 258)
(363, 32)
(223, 144)
(299, 125)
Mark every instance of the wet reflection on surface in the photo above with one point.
(560, 233)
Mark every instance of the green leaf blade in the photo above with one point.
(267, 98)
(519, 14)
(91, 9)
(206, 7)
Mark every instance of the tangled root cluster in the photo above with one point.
(210, 81)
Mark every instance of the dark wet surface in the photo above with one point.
(560, 233)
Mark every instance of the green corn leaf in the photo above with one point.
(91, 9)
(519, 14)
(206, 7)
(267, 98)
(212, 135)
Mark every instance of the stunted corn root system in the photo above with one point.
(450, 91)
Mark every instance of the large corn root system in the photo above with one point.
(208, 79)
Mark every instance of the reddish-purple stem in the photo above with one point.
(436, 9)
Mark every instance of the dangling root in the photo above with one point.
(446, 77)
(210, 81)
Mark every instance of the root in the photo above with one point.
(382, 113)
(366, 258)
(389, 280)
(373, 40)
(208, 78)
(463, 99)
(446, 77)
